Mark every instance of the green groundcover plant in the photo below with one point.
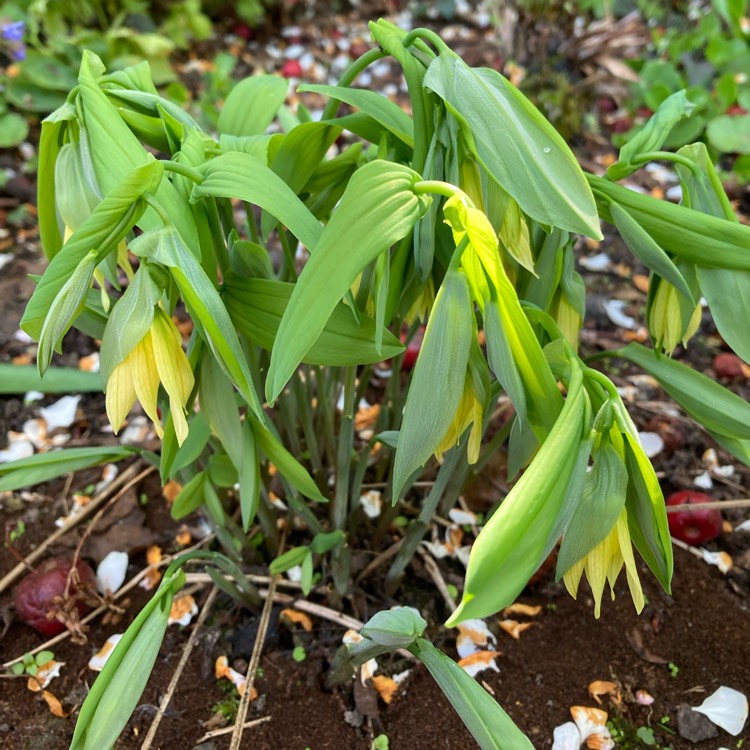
(462, 215)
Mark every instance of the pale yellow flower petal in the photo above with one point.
(631, 570)
(174, 370)
(146, 379)
(120, 395)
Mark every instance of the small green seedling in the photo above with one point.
(30, 664)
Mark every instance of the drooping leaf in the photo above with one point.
(377, 106)
(506, 131)
(708, 403)
(378, 208)
(238, 175)
(24, 378)
(523, 531)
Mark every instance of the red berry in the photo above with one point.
(728, 366)
(35, 596)
(693, 526)
(291, 69)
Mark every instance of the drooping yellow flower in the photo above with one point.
(670, 320)
(469, 412)
(604, 563)
(157, 358)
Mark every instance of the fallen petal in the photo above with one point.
(371, 503)
(589, 720)
(727, 708)
(99, 659)
(651, 442)
(60, 414)
(462, 517)
(615, 309)
(111, 571)
(704, 481)
(644, 698)
(19, 446)
(367, 670)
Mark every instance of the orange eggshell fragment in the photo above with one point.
(386, 687)
(604, 687)
(514, 628)
(295, 617)
(523, 609)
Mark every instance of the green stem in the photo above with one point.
(348, 77)
(183, 169)
(288, 272)
(304, 411)
(429, 36)
(667, 156)
(439, 187)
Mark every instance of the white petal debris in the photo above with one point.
(462, 517)
(60, 414)
(615, 309)
(111, 571)
(566, 737)
(597, 263)
(372, 503)
(19, 446)
(99, 659)
(727, 708)
(473, 635)
(651, 442)
(479, 661)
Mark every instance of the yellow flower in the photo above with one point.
(604, 563)
(469, 412)
(157, 358)
(670, 320)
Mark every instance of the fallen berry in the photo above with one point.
(693, 526)
(42, 592)
(291, 69)
(412, 349)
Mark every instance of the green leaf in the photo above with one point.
(190, 497)
(257, 306)
(131, 317)
(252, 104)
(65, 307)
(506, 130)
(288, 466)
(118, 688)
(110, 221)
(526, 527)
(380, 108)
(600, 506)
(49, 147)
(238, 175)
(188, 453)
(45, 466)
(13, 129)
(730, 134)
(702, 239)
(165, 246)
(727, 292)
(708, 403)
(378, 208)
(644, 248)
(647, 515)
(325, 542)
(24, 378)
(490, 726)
(237, 438)
(290, 559)
(438, 381)
(652, 135)
(395, 628)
